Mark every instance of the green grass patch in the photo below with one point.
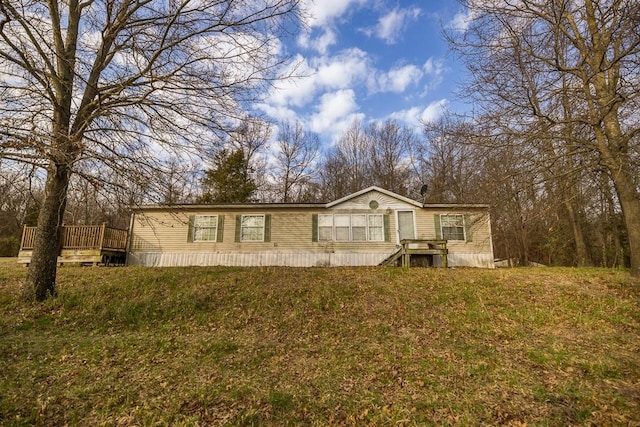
(321, 346)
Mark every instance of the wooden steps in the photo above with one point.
(410, 247)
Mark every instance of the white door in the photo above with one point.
(406, 225)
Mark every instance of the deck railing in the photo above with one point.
(423, 247)
(82, 237)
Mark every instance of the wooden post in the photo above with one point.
(445, 251)
(406, 260)
(101, 242)
(24, 235)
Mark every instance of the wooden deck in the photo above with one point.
(82, 244)
(421, 250)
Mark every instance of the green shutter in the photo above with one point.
(220, 233)
(190, 229)
(387, 228)
(267, 228)
(468, 233)
(436, 221)
(238, 226)
(314, 227)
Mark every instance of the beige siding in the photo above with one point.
(160, 236)
(480, 228)
(291, 231)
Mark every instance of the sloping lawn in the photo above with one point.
(333, 346)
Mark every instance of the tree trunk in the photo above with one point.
(41, 277)
(582, 255)
(630, 204)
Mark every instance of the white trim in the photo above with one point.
(264, 224)
(378, 189)
(351, 239)
(194, 231)
(464, 228)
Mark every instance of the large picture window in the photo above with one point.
(252, 228)
(205, 228)
(452, 227)
(351, 228)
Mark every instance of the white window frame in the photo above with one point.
(444, 218)
(242, 228)
(320, 226)
(324, 219)
(197, 227)
(341, 227)
(381, 227)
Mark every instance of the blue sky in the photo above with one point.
(370, 60)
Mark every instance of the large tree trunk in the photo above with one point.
(41, 277)
(630, 204)
(582, 258)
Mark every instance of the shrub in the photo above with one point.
(9, 246)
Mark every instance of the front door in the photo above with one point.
(406, 228)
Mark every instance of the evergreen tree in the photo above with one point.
(229, 180)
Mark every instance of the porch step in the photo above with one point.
(392, 260)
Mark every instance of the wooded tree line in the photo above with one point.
(552, 213)
(117, 103)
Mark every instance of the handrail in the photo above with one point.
(436, 247)
(82, 237)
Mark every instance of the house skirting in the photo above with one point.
(158, 259)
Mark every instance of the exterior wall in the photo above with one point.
(160, 237)
(477, 251)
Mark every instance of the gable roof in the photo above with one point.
(314, 205)
(378, 189)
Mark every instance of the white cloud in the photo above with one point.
(323, 12)
(322, 74)
(395, 80)
(434, 111)
(334, 112)
(390, 26)
(462, 20)
(277, 112)
(433, 67)
(416, 116)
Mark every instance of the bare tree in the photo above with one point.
(388, 162)
(21, 192)
(297, 151)
(447, 161)
(251, 137)
(121, 83)
(345, 167)
(527, 57)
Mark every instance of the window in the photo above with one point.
(252, 228)
(452, 227)
(205, 228)
(376, 228)
(359, 228)
(341, 224)
(325, 227)
(351, 228)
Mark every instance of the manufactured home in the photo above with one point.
(370, 227)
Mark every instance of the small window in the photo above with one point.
(452, 227)
(252, 228)
(325, 227)
(205, 228)
(376, 228)
(342, 224)
(359, 228)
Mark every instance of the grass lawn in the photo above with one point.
(321, 346)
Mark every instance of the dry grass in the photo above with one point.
(334, 346)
